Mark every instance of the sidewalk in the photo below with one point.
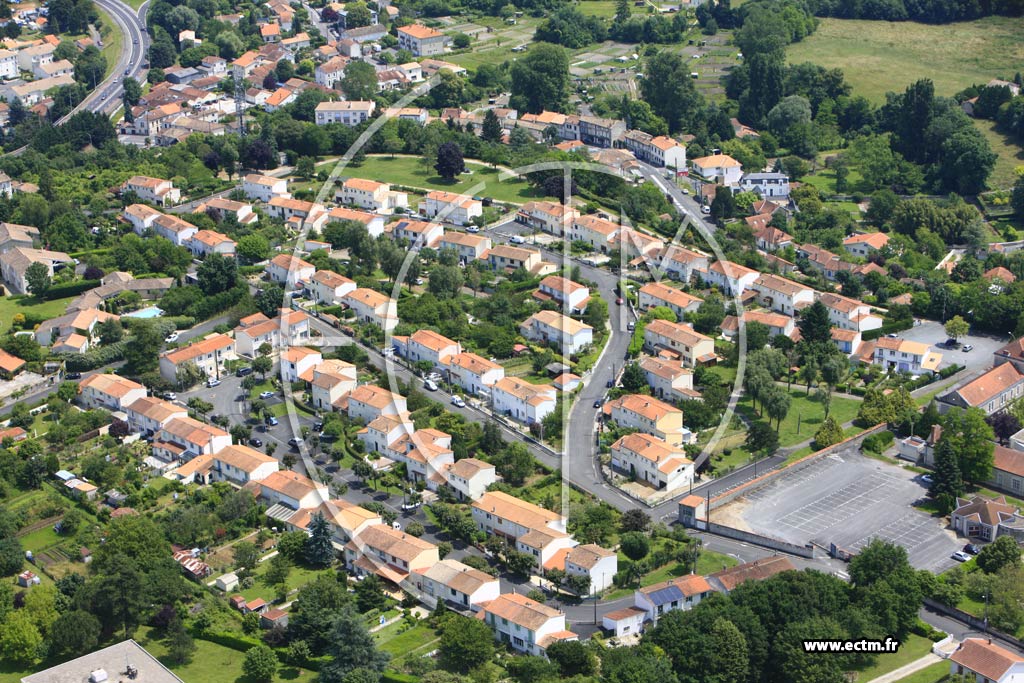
(904, 671)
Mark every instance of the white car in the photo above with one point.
(960, 556)
(473, 229)
(517, 239)
(705, 210)
(266, 394)
(211, 383)
(458, 402)
(172, 337)
(430, 385)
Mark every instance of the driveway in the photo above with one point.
(980, 358)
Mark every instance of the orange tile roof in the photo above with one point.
(210, 344)
(521, 610)
(9, 362)
(112, 385)
(989, 385)
(419, 31)
(985, 658)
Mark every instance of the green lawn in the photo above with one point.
(298, 577)
(40, 539)
(1010, 154)
(602, 8)
(913, 649)
(12, 305)
(390, 640)
(408, 171)
(879, 57)
(805, 413)
(212, 662)
(113, 38)
(708, 562)
(933, 673)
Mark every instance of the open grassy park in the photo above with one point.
(408, 171)
(879, 57)
(805, 415)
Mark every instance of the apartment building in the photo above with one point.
(551, 327)
(422, 41)
(499, 514)
(658, 150)
(208, 354)
(459, 209)
(657, 294)
(650, 416)
(474, 373)
(346, 112)
(649, 459)
(298, 362)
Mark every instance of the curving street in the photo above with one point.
(107, 96)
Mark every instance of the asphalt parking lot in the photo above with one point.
(848, 499)
(980, 358)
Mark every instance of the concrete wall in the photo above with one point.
(763, 541)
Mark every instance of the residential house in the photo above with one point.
(184, 438)
(768, 237)
(719, 168)
(299, 361)
(288, 328)
(456, 584)
(524, 624)
(824, 261)
(331, 381)
(331, 72)
(668, 380)
(345, 520)
(678, 341)
(509, 259)
(209, 355)
(154, 190)
(782, 295)
(680, 263)
(296, 212)
(1008, 468)
(777, 323)
(329, 288)
(864, 245)
(389, 553)
(731, 278)
(289, 489)
(981, 660)
(205, 242)
(521, 400)
(373, 307)
(373, 222)
(726, 580)
(271, 32)
(658, 150)
(991, 392)
(451, 207)
(84, 323)
(550, 217)
(649, 415)
(148, 415)
(634, 243)
(290, 270)
(417, 234)
(368, 402)
(552, 327)
(601, 132)
(468, 247)
(987, 518)
(8, 65)
(567, 294)
(174, 228)
(628, 621)
(15, 262)
(1011, 353)
(657, 294)
(264, 188)
(348, 112)
(34, 92)
(681, 593)
(903, 355)
(475, 374)
(220, 208)
(429, 346)
(547, 547)
(422, 41)
(766, 185)
(597, 232)
(111, 392)
(369, 194)
(14, 235)
(849, 314)
(469, 478)
(595, 562)
(649, 459)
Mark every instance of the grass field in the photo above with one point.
(12, 305)
(933, 673)
(112, 39)
(807, 414)
(878, 57)
(298, 577)
(404, 170)
(914, 648)
(1010, 154)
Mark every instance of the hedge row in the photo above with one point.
(244, 643)
(94, 358)
(64, 290)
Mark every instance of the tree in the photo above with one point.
(262, 365)
(634, 380)
(319, 549)
(761, 439)
(449, 161)
(635, 545)
(540, 80)
(884, 562)
(260, 663)
(634, 519)
(180, 643)
(359, 81)
(729, 659)
(142, 350)
(37, 279)
(217, 274)
(245, 555)
(1004, 425)
(514, 464)
(351, 647)
(815, 325)
(957, 327)
(20, 640)
(830, 433)
(491, 130)
(465, 644)
(110, 331)
(1017, 198)
(73, 633)
(278, 569)
(596, 314)
(572, 657)
(972, 439)
(723, 206)
(947, 482)
(670, 91)
(90, 66)
(1001, 553)
(370, 594)
(253, 248)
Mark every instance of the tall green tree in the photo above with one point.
(37, 279)
(260, 664)
(465, 644)
(670, 91)
(540, 80)
(351, 647)
(319, 548)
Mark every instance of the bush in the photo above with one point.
(67, 289)
(877, 443)
(94, 358)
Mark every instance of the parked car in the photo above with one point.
(971, 549)
(610, 383)
(172, 337)
(472, 229)
(430, 385)
(211, 383)
(705, 210)
(926, 479)
(266, 394)
(255, 442)
(318, 426)
(73, 375)
(597, 403)
(294, 442)
(169, 396)
(618, 301)
(517, 239)
(960, 556)
(272, 421)
(631, 326)
(967, 347)
(407, 507)
(458, 402)
(243, 371)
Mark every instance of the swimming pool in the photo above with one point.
(148, 312)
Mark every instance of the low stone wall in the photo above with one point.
(763, 541)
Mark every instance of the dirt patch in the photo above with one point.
(732, 514)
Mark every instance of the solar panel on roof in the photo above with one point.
(663, 596)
